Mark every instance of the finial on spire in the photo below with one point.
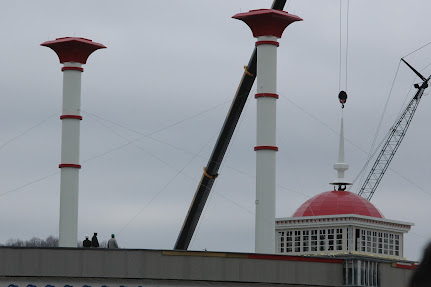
(341, 166)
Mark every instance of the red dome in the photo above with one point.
(337, 202)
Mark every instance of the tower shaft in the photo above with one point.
(266, 144)
(72, 53)
(70, 144)
(267, 25)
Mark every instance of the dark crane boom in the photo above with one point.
(211, 171)
(396, 135)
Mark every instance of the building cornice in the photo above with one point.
(342, 220)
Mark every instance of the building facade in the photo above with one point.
(343, 224)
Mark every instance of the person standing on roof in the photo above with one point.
(86, 242)
(94, 241)
(112, 243)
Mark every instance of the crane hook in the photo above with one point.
(342, 97)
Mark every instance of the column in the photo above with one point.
(72, 53)
(267, 25)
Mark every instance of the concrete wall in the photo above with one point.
(133, 268)
(391, 276)
(61, 266)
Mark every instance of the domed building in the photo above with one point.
(340, 222)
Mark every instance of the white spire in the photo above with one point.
(341, 166)
(341, 145)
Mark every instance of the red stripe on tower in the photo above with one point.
(266, 95)
(71, 117)
(69, 165)
(266, 147)
(72, 68)
(275, 43)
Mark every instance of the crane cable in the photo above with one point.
(347, 37)
(372, 150)
(420, 48)
(341, 47)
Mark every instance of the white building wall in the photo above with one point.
(319, 240)
(339, 239)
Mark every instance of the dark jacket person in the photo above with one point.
(94, 241)
(86, 242)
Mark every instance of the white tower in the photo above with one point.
(72, 52)
(267, 25)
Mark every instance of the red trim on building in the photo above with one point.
(275, 43)
(71, 117)
(404, 266)
(265, 147)
(72, 68)
(266, 95)
(69, 165)
(294, 258)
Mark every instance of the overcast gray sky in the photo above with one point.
(171, 70)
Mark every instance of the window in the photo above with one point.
(363, 240)
(334, 240)
(322, 242)
(281, 240)
(385, 243)
(368, 240)
(391, 244)
(339, 236)
(305, 240)
(380, 245)
(331, 238)
(313, 240)
(357, 238)
(289, 241)
(397, 245)
(297, 241)
(374, 242)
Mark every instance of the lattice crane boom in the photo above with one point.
(395, 137)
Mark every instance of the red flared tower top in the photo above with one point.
(335, 203)
(73, 49)
(267, 22)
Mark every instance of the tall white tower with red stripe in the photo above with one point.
(267, 26)
(72, 52)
